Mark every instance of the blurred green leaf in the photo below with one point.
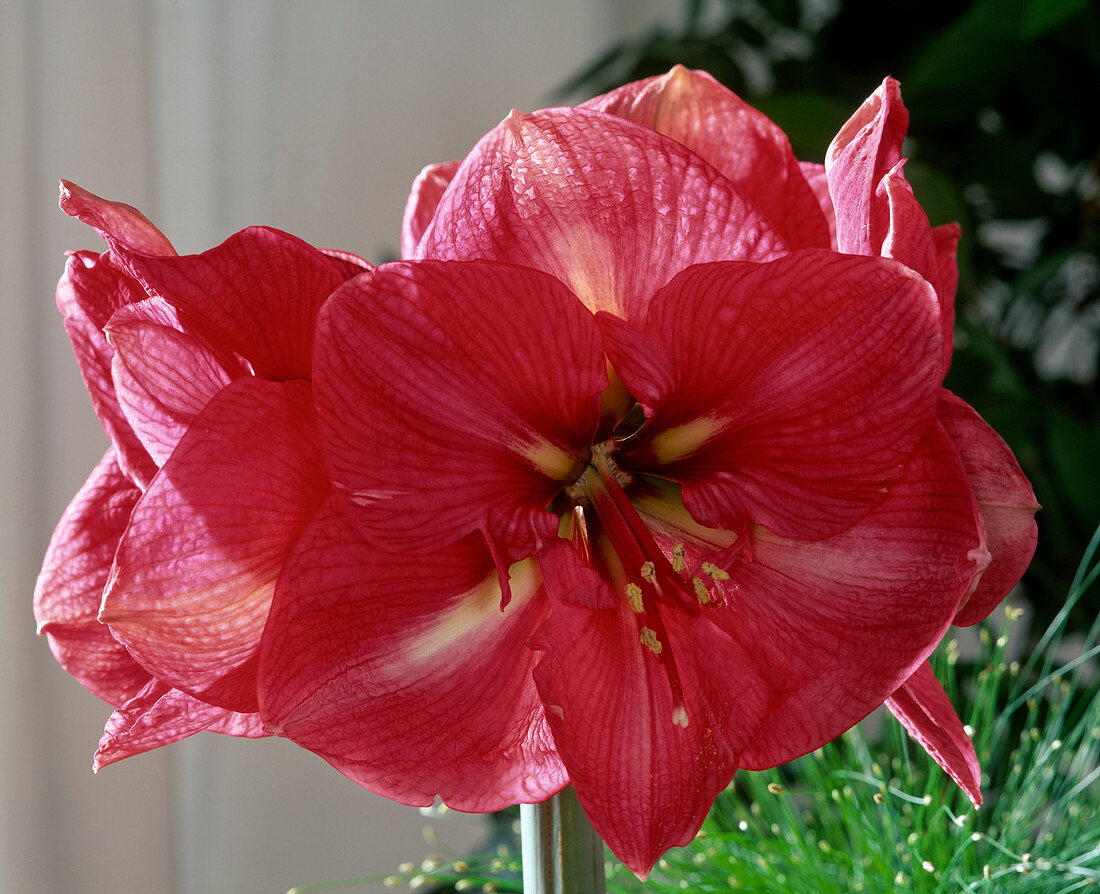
(1044, 15)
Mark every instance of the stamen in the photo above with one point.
(712, 570)
(679, 558)
(701, 591)
(648, 572)
(634, 595)
(649, 639)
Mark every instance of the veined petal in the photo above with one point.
(427, 190)
(163, 377)
(645, 781)
(1006, 501)
(456, 397)
(195, 571)
(160, 715)
(838, 625)
(741, 142)
(583, 195)
(70, 586)
(120, 225)
(798, 427)
(403, 672)
(924, 709)
(256, 294)
(860, 155)
(92, 289)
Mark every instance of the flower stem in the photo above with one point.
(562, 854)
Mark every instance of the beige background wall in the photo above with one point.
(309, 116)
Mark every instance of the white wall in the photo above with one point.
(309, 116)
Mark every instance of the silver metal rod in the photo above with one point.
(562, 854)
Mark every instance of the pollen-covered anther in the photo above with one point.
(701, 591)
(679, 558)
(634, 595)
(649, 639)
(648, 571)
(713, 571)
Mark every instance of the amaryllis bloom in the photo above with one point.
(643, 469)
(157, 581)
(635, 471)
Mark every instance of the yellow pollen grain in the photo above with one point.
(701, 591)
(648, 572)
(649, 639)
(634, 594)
(679, 558)
(712, 570)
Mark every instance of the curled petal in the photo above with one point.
(946, 239)
(403, 672)
(159, 715)
(798, 427)
(163, 377)
(121, 226)
(457, 397)
(427, 190)
(924, 709)
(645, 775)
(1006, 501)
(91, 291)
(910, 239)
(860, 155)
(195, 571)
(741, 142)
(70, 586)
(256, 294)
(583, 195)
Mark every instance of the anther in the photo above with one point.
(634, 594)
(648, 572)
(679, 558)
(649, 639)
(701, 591)
(713, 571)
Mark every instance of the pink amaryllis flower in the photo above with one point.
(867, 208)
(156, 584)
(649, 475)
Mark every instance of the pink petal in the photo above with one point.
(163, 377)
(70, 586)
(1006, 501)
(457, 397)
(836, 626)
(195, 571)
(910, 239)
(256, 294)
(787, 394)
(585, 195)
(741, 142)
(121, 226)
(861, 154)
(427, 190)
(92, 289)
(926, 712)
(160, 715)
(645, 781)
(818, 182)
(403, 672)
